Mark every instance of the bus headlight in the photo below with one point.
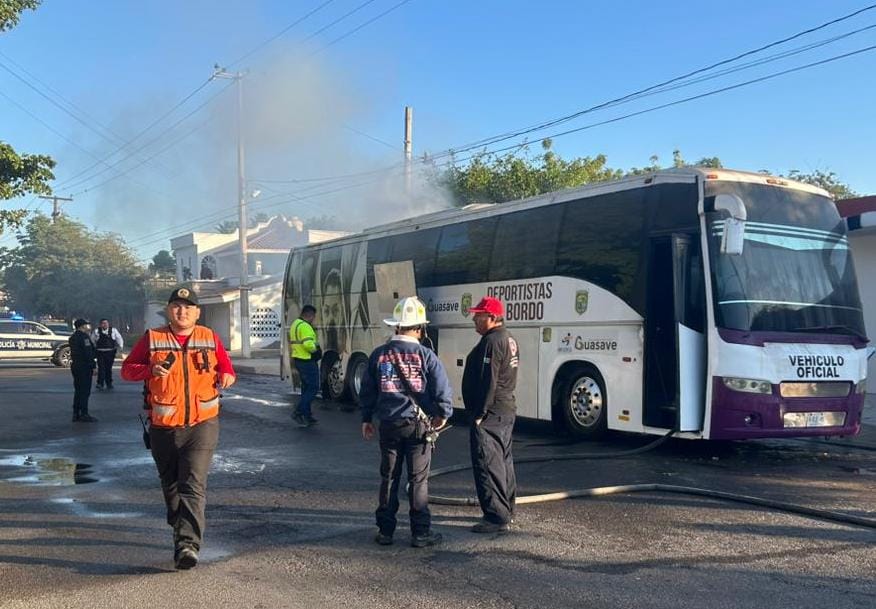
(748, 385)
(861, 387)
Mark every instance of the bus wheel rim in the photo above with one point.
(586, 402)
(334, 379)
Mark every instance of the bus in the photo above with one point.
(715, 304)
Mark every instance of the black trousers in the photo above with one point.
(81, 388)
(493, 466)
(105, 368)
(402, 442)
(183, 456)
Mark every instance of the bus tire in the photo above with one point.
(355, 373)
(332, 373)
(580, 403)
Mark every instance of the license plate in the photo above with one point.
(814, 419)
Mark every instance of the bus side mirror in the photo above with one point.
(733, 236)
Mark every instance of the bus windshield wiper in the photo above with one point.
(846, 329)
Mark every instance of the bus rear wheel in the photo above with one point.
(580, 403)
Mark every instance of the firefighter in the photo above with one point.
(406, 387)
(108, 342)
(184, 366)
(488, 382)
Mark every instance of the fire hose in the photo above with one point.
(602, 491)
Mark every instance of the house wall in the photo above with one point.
(265, 315)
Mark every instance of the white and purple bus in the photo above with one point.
(719, 304)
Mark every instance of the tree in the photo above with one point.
(163, 265)
(10, 12)
(63, 270)
(25, 173)
(229, 226)
(827, 180)
(491, 178)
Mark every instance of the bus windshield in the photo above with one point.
(795, 273)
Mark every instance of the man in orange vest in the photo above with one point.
(183, 366)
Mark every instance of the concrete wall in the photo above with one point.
(265, 315)
(863, 244)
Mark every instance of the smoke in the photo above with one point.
(299, 154)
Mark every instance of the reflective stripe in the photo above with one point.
(163, 411)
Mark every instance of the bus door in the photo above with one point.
(675, 335)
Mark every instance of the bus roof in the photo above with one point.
(665, 176)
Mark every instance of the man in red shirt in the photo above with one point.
(183, 366)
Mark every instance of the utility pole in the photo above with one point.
(409, 125)
(242, 223)
(56, 205)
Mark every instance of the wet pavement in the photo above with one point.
(290, 516)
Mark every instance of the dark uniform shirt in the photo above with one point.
(490, 374)
(82, 352)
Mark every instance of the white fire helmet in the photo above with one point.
(409, 312)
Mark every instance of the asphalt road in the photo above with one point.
(290, 517)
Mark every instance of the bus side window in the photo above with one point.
(526, 244)
(464, 252)
(419, 247)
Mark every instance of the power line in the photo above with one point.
(677, 82)
(372, 138)
(265, 43)
(356, 29)
(687, 99)
(222, 215)
(568, 117)
(144, 131)
(80, 182)
(71, 142)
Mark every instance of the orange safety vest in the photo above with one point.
(188, 395)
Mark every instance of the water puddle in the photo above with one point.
(54, 471)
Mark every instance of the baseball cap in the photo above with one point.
(80, 322)
(490, 305)
(183, 293)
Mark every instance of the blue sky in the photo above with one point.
(469, 69)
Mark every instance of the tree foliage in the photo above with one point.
(20, 174)
(229, 226)
(10, 12)
(163, 265)
(492, 178)
(828, 180)
(64, 270)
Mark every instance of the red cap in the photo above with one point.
(490, 305)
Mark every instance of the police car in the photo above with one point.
(32, 340)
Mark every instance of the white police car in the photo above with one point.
(32, 340)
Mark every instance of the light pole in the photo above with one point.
(245, 351)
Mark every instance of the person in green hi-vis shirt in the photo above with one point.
(305, 353)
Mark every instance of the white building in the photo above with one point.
(860, 215)
(210, 262)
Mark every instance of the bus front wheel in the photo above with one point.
(355, 375)
(580, 402)
(332, 377)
